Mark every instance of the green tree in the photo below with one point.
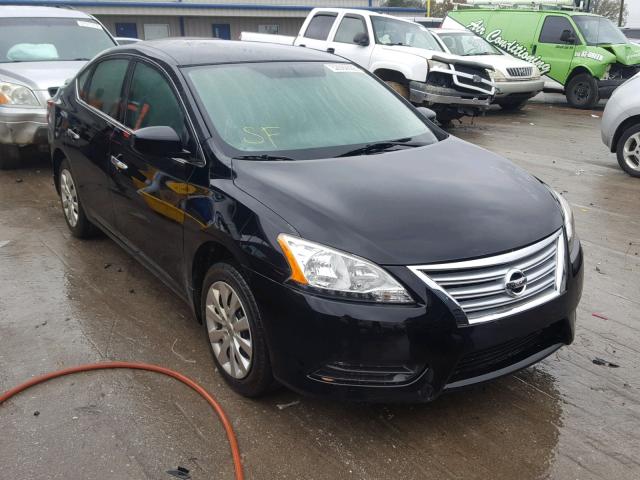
(441, 9)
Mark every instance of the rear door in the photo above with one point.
(343, 42)
(555, 51)
(316, 34)
(150, 191)
(87, 132)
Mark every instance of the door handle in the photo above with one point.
(116, 162)
(533, 49)
(331, 50)
(73, 135)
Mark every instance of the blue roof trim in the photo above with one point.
(194, 6)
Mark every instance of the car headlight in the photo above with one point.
(337, 273)
(497, 76)
(535, 73)
(567, 214)
(436, 64)
(17, 95)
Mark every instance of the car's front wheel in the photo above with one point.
(628, 151)
(582, 91)
(235, 332)
(74, 213)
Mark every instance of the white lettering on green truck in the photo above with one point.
(512, 47)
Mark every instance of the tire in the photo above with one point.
(513, 106)
(77, 221)
(9, 157)
(400, 88)
(582, 91)
(230, 326)
(628, 151)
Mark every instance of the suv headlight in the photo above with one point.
(436, 64)
(567, 213)
(17, 95)
(337, 273)
(497, 76)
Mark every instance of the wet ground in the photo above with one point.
(64, 301)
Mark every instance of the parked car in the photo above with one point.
(336, 249)
(516, 80)
(584, 54)
(621, 125)
(403, 54)
(40, 48)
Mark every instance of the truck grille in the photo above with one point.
(494, 287)
(476, 83)
(520, 71)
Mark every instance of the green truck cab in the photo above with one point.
(585, 53)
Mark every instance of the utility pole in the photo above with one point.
(428, 8)
(621, 12)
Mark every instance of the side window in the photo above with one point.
(153, 103)
(83, 83)
(105, 87)
(320, 26)
(350, 26)
(553, 27)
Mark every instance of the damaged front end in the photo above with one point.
(454, 88)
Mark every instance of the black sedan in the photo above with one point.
(326, 233)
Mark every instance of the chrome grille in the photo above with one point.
(485, 289)
(520, 71)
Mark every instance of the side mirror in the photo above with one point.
(157, 141)
(567, 36)
(361, 39)
(427, 113)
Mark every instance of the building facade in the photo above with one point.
(154, 19)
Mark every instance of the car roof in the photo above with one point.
(545, 11)
(16, 11)
(200, 51)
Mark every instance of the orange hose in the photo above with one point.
(231, 436)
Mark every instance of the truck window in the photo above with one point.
(320, 26)
(553, 27)
(350, 26)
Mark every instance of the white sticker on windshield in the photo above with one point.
(89, 24)
(342, 68)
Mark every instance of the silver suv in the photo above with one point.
(40, 47)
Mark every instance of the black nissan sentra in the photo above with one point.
(327, 234)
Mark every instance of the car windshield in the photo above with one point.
(466, 43)
(51, 39)
(389, 31)
(599, 30)
(303, 110)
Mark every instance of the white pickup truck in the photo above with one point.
(402, 53)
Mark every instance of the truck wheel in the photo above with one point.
(512, 106)
(582, 91)
(628, 151)
(9, 157)
(400, 89)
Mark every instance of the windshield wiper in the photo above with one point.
(263, 157)
(380, 147)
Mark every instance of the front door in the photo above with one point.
(343, 42)
(555, 49)
(221, 30)
(150, 194)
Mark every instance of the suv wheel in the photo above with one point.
(9, 157)
(235, 333)
(582, 91)
(628, 151)
(74, 215)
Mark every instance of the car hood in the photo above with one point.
(439, 56)
(40, 75)
(626, 53)
(446, 201)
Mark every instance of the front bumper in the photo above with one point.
(531, 87)
(23, 126)
(387, 353)
(424, 93)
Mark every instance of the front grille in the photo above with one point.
(480, 362)
(350, 374)
(479, 73)
(520, 71)
(495, 287)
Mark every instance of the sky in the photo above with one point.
(633, 20)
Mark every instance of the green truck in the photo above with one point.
(585, 53)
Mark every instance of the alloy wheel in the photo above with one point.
(631, 152)
(229, 330)
(69, 197)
